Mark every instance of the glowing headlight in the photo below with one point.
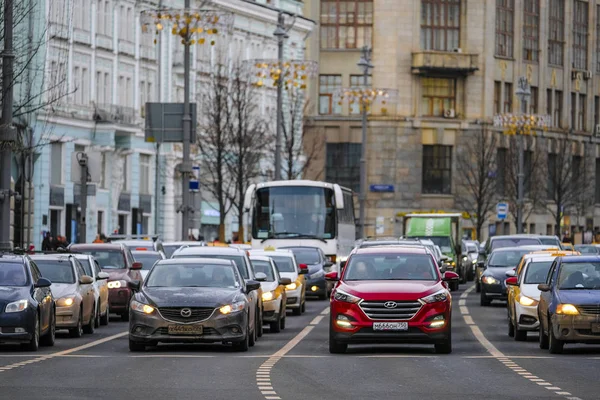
(116, 284)
(343, 321)
(440, 295)
(291, 286)
(437, 322)
(141, 307)
(16, 306)
(231, 308)
(474, 262)
(340, 295)
(526, 301)
(268, 296)
(453, 263)
(490, 280)
(65, 301)
(567, 309)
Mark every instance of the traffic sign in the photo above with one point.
(195, 180)
(502, 210)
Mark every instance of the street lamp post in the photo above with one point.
(523, 92)
(365, 65)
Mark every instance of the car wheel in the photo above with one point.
(90, 327)
(97, 319)
(282, 323)
(135, 346)
(483, 300)
(297, 311)
(77, 332)
(275, 327)
(454, 286)
(336, 347)
(105, 318)
(50, 337)
(303, 306)
(543, 337)
(444, 347)
(511, 327)
(253, 335)
(260, 326)
(477, 287)
(34, 343)
(323, 296)
(520, 335)
(125, 317)
(555, 345)
(244, 344)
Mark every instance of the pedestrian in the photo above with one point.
(98, 239)
(103, 238)
(567, 238)
(49, 244)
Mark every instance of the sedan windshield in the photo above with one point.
(108, 259)
(306, 256)
(57, 271)
(579, 276)
(537, 272)
(371, 267)
(284, 264)
(265, 268)
(193, 275)
(170, 249)
(238, 260)
(147, 259)
(514, 242)
(506, 259)
(12, 274)
(587, 249)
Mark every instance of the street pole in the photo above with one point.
(280, 34)
(523, 92)
(83, 163)
(365, 65)
(186, 167)
(7, 136)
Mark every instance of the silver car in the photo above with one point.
(92, 268)
(274, 296)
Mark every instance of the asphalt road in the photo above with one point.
(296, 364)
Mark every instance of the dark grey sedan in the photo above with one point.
(192, 300)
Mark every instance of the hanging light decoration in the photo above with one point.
(367, 98)
(522, 124)
(294, 74)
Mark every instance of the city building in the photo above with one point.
(455, 65)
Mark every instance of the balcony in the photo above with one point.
(442, 62)
(115, 114)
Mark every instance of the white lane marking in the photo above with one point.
(263, 374)
(497, 354)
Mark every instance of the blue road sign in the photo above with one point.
(502, 210)
(382, 188)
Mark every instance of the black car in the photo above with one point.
(318, 265)
(27, 311)
(195, 300)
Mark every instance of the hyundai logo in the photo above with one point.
(390, 304)
(186, 312)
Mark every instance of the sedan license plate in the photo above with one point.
(185, 329)
(390, 326)
(596, 328)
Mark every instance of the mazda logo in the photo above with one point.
(390, 304)
(186, 312)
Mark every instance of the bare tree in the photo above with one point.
(214, 142)
(248, 135)
(476, 167)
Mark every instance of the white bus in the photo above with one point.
(301, 213)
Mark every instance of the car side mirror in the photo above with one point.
(512, 281)
(261, 277)
(343, 265)
(450, 276)
(251, 286)
(134, 285)
(327, 264)
(511, 273)
(86, 280)
(136, 265)
(332, 276)
(285, 281)
(543, 287)
(444, 258)
(42, 283)
(102, 276)
(303, 269)
(481, 264)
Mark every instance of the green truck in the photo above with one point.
(443, 229)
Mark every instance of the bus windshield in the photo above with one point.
(294, 212)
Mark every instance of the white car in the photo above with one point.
(524, 295)
(170, 247)
(274, 296)
(286, 264)
(148, 259)
(92, 268)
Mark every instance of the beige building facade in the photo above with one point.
(455, 65)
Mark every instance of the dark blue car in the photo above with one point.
(569, 309)
(318, 264)
(27, 312)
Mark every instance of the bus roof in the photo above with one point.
(299, 182)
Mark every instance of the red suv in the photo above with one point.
(391, 295)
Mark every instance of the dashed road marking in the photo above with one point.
(317, 319)
(504, 359)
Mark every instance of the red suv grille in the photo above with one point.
(390, 310)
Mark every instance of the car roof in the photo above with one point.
(521, 248)
(259, 258)
(298, 248)
(154, 252)
(50, 256)
(12, 258)
(583, 258)
(96, 246)
(134, 241)
(198, 260)
(210, 250)
(183, 243)
(393, 249)
(268, 253)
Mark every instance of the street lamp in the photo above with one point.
(523, 124)
(365, 65)
(195, 26)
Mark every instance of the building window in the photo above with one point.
(56, 163)
(527, 170)
(144, 174)
(582, 113)
(328, 86)
(346, 24)
(531, 30)
(343, 164)
(552, 165)
(126, 174)
(440, 24)
(497, 97)
(574, 110)
(558, 108)
(437, 169)
(556, 32)
(508, 97)
(501, 164)
(103, 172)
(439, 94)
(55, 225)
(358, 81)
(596, 113)
(533, 100)
(100, 229)
(549, 109)
(597, 188)
(580, 32)
(505, 15)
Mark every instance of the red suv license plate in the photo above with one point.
(390, 326)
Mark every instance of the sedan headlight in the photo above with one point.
(490, 280)
(268, 296)
(340, 295)
(16, 306)
(141, 307)
(320, 273)
(440, 295)
(526, 301)
(474, 262)
(116, 284)
(567, 309)
(291, 286)
(232, 308)
(65, 301)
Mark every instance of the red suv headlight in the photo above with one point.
(340, 295)
(439, 296)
